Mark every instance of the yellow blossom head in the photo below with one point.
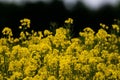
(47, 32)
(25, 23)
(116, 27)
(7, 31)
(69, 21)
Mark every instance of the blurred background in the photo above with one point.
(86, 13)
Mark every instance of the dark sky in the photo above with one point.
(42, 14)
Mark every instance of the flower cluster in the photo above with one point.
(38, 56)
(25, 23)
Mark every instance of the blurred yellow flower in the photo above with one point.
(25, 23)
(47, 32)
(7, 31)
(69, 21)
(51, 78)
(102, 34)
(92, 60)
(16, 75)
(16, 40)
(116, 27)
(99, 76)
(104, 26)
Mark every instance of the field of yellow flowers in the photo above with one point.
(57, 56)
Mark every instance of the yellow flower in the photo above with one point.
(51, 60)
(22, 35)
(88, 35)
(36, 77)
(43, 73)
(104, 26)
(27, 33)
(23, 52)
(86, 69)
(1, 49)
(108, 72)
(16, 75)
(51, 78)
(94, 52)
(115, 27)
(47, 32)
(61, 31)
(69, 21)
(92, 60)
(16, 40)
(40, 34)
(82, 59)
(28, 78)
(78, 66)
(1, 76)
(15, 66)
(7, 31)
(76, 40)
(2, 62)
(88, 30)
(65, 62)
(102, 34)
(107, 27)
(113, 38)
(20, 27)
(99, 76)
(30, 70)
(25, 23)
(101, 67)
(113, 58)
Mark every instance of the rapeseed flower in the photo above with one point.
(82, 59)
(101, 66)
(78, 66)
(1, 76)
(99, 76)
(30, 70)
(116, 27)
(47, 32)
(7, 31)
(104, 26)
(92, 60)
(69, 21)
(102, 34)
(25, 23)
(52, 78)
(16, 40)
(65, 62)
(1, 49)
(88, 36)
(51, 60)
(22, 35)
(16, 75)
(27, 78)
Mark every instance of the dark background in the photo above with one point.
(42, 14)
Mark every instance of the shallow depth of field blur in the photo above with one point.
(56, 54)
